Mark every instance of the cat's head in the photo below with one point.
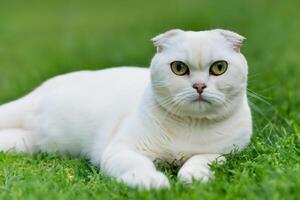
(199, 74)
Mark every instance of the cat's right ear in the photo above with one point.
(161, 41)
(235, 39)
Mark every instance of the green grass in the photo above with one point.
(40, 39)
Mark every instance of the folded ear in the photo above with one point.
(161, 40)
(235, 39)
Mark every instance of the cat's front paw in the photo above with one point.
(145, 179)
(189, 173)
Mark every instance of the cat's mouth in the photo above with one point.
(201, 99)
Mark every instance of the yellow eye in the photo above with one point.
(218, 68)
(179, 68)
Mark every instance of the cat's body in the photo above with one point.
(122, 121)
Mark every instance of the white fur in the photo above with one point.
(123, 119)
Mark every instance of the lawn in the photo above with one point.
(40, 39)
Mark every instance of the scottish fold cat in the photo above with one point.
(190, 107)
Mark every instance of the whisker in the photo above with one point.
(258, 97)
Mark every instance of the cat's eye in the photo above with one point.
(179, 68)
(218, 68)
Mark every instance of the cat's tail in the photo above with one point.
(13, 114)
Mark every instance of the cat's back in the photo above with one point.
(108, 87)
(114, 88)
(105, 79)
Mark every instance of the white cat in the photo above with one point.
(190, 107)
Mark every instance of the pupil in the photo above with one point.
(220, 66)
(178, 67)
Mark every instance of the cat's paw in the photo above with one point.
(189, 173)
(145, 179)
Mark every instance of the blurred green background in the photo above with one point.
(41, 39)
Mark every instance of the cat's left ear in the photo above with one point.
(162, 41)
(235, 39)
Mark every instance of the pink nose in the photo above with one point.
(199, 87)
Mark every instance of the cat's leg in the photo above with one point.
(16, 140)
(134, 169)
(197, 167)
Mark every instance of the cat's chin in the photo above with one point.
(202, 108)
(198, 108)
